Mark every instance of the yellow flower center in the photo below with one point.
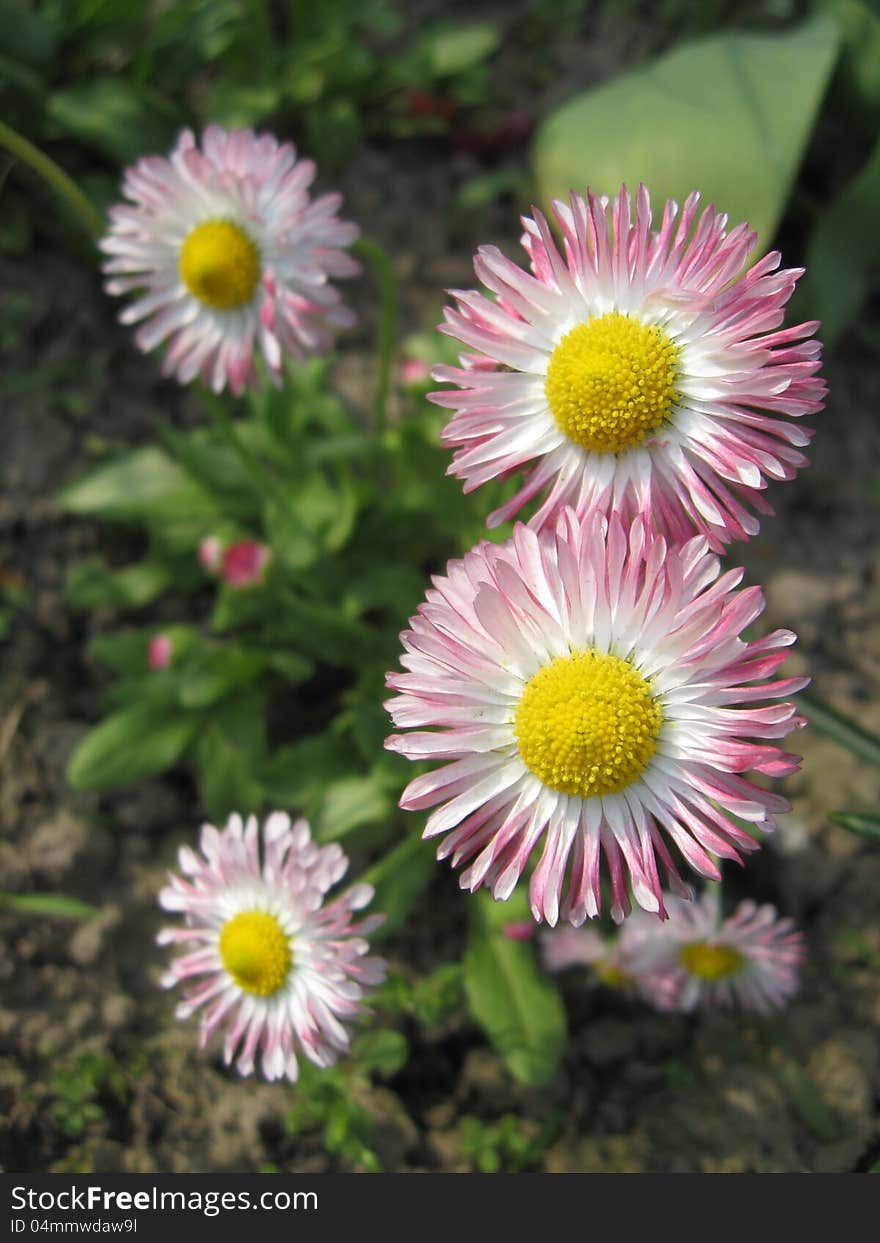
(611, 382)
(710, 962)
(255, 951)
(587, 724)
(612, 977)
(219, 264)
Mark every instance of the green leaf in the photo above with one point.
(213, 672)
(384, 1052)
(143, 486)
(399, 878)
(455, 49)
(844, 252)
(351, 803)
(226, 782)
(126, 650)
(863, 823)
(517, 1006)
(54, 904)
(294, 544)
(136, 742)
(841, 729)
(112, 116)
(92, 584)
(729, 115)
(298, 774)
(803, 1093)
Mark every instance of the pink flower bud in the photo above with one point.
(159, 651)
(210, 554)
(520, 930)
(244, 564)
(414, 372)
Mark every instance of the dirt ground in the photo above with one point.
(94, 1073)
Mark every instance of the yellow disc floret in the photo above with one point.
(611, 382)
(219, 264)
(255, 951)
(587, 724)
(710, 962)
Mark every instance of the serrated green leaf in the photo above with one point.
(729, 115)
(136, 742)
(518, 1007)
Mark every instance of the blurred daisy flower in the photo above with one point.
(228, 254)
(566, 947)
(646, 371)
(698, 959)
(588, 688)
(265, 957)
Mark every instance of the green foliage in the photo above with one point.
(730, 115)
(335, 1101)
(273, 694)
(515, 1003)
(81, 1089)
(511, 1145)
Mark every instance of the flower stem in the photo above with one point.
(46, 168)
(373, 253)
(267, 485)
(260, 477)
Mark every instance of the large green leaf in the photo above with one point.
(844, 252)
(728, 115)
(135, 742)
(113, 116)
(517, 1006)
(141, 486)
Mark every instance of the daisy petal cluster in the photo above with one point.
(640, 370)
(265, 957)
(696, 959)
(586, 691)
(229, 256)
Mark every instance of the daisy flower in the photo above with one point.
(644, 372)
(697, 959)
(588, 688)
(266, 958)
(228, 254)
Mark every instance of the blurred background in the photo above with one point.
(440, 122)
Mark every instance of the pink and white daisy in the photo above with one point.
(646, 371)
(228, 254)
(587, 687)
(267, 959)
(698, 959)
